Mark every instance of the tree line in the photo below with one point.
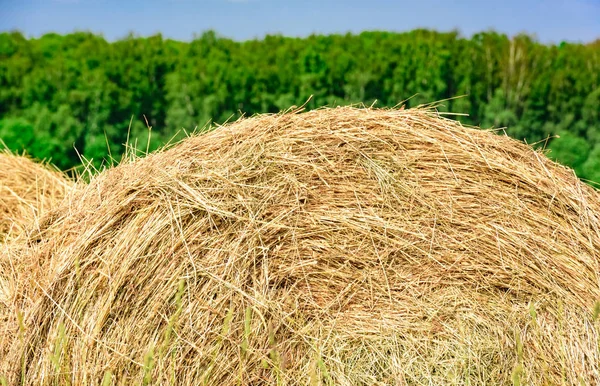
(66, 96)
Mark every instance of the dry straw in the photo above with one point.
(340, 246)
(27, 191)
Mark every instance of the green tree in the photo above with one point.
(62, 96)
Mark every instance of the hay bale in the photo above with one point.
(346, 246)
(27, 190)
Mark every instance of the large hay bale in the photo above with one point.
(346, 246)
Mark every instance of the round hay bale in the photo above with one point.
(339, 246)
(27, 190)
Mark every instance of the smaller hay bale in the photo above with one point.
(27, 190)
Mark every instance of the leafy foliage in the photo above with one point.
(62, 96)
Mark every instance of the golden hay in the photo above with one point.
(27, 189)
(340, 246)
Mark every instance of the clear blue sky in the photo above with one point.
(552, 21)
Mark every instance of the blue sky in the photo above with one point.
(551, 21)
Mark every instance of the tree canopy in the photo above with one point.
(63, 96)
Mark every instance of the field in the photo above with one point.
(346, 246)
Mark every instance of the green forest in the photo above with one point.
(63, 97)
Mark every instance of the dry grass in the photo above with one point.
(27, 190)
(340, 246)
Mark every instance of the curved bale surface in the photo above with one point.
(339, 246)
